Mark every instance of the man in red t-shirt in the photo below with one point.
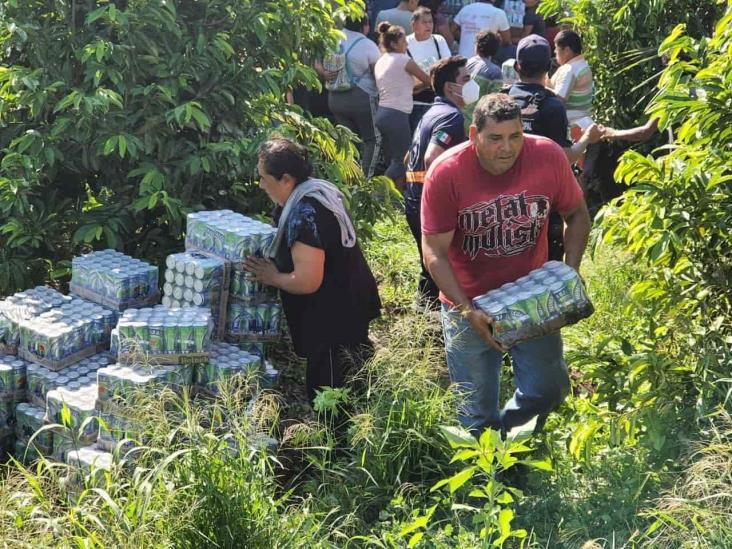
(485, 212)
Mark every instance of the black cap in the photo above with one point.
(534, 50)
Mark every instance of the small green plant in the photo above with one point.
(489, 497)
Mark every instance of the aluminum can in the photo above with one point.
(187, 343)
(201, 336)
(170, 275)
(180, 264)
(274, 319)
(170, 262)
(178, 292)
(170, 336)
(157, 337)
(168, 288)
(7, 382)
(563, 296)
(262, 315)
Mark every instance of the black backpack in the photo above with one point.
(530, 104)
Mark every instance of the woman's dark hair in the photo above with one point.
(420, 12)
(281, 156)
(444, 71)
(357, 24)
(499, 107)
(389, 35)
(486, 43)
(569, 39)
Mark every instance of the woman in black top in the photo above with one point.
(329, 295)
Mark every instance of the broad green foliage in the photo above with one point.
(677, 214)
(620, 39)
(117, 118)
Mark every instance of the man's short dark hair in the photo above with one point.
(531, 70)
(356, 24)
(486, 43)
(569, 39)
(433, 5)
(444, 71)
(282, 156)
(499, 107)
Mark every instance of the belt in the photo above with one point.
(415, 177)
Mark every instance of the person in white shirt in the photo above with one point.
(401, 16)
(356, 108)
(473, 18)
(426, 49)
(395, 72)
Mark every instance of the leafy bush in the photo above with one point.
(620, 40)
(117, 118)
(676, 215)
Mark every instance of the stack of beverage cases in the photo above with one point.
(75, 359)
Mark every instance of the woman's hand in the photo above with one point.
(264, 270)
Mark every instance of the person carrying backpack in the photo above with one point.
(352, 93)
(544, 114)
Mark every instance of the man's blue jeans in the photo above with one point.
(540, 376)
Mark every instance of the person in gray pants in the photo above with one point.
(355, 108)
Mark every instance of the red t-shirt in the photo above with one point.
(500, 221)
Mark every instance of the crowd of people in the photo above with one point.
(478, 112)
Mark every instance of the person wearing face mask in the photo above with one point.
(395, 72)
(485, 213)
(441, 127)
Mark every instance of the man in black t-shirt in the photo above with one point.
(543, 113)
(441, 127)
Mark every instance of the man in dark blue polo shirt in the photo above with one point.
(542, 113)
(441, 127)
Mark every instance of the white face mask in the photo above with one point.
(470, 92)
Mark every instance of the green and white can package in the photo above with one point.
(542, 302)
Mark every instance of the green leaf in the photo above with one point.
(458, 437)
(415, 539)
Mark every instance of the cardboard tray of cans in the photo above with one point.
(57, 365)
(168, 359)
(6, 349)
(90, 295)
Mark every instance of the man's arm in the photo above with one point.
(433, 151)
(576, 234)
(591, 135)
(435, 249)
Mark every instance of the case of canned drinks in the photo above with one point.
(160, 330)
(29, 420)
(25, 305)
(65, 334)
(227, 234)
(118, 384)
(225, 362)
(113, 279)
(193, 279)
(81, 405)
(534, 305)
(41, 380)
(254, 320)
(90, 463)
(13, 377)
(115, 429)
(7, 413)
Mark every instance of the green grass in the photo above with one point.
(361, 485)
